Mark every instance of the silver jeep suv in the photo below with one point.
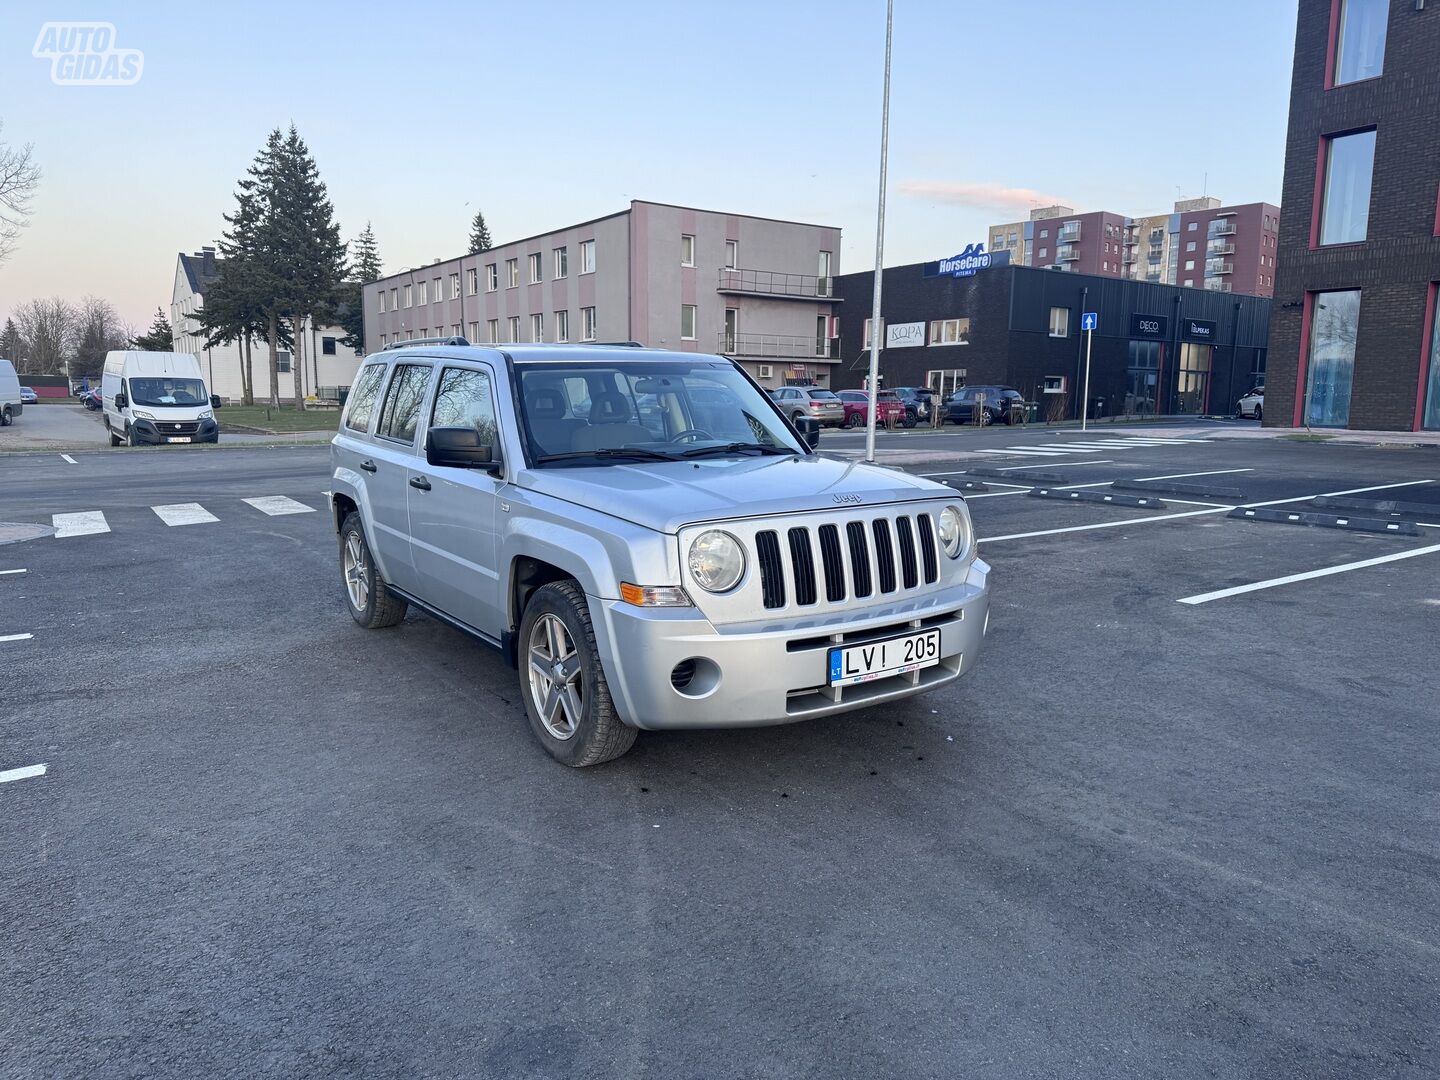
(647, 538)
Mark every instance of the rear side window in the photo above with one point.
(362, 397)
(401, 412)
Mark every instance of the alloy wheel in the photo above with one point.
(556, 688)
(357, 572)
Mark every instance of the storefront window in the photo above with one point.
(1193, 380)
(1144, 372)
(1334, 322)
(1431, 419)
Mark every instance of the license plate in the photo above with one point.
(880, 659)
(178, 438)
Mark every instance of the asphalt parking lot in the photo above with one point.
(1182, 820)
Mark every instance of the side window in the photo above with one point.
(401, 411)
(464, 400)
(362, 398)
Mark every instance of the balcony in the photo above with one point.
(1217, 285)
(775, 283)
(1215, 250)
(1068, 234)
(1067, 253)
(1219, 266)
(1129, 258)
(1222, 228)
(1152, 275)
(778, 346)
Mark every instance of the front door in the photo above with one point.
(389, 464)
(452, 522)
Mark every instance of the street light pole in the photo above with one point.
(879, 244)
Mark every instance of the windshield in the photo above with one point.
(167, 390)
(601, 413)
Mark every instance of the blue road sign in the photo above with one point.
(1090, 320)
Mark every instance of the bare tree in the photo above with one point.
(50, 328)
(19, 176)
(99, 330)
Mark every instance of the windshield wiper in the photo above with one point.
(735, 448)
(641, 452)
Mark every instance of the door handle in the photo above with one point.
(420, 482)
(367, 465)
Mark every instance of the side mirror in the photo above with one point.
(460, 448)
(215, 401)
(809, 429)
(120, 401)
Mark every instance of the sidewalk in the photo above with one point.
(1335, 435)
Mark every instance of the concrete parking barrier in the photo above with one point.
(966, 485)
(1167, 487)
(1375, 506)
(1098, 497)
(1017, 478)
(1327, 521)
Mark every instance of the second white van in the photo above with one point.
(157, 397)
(11, 404)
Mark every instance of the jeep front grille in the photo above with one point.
(894, 552)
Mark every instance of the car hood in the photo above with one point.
(667, 495)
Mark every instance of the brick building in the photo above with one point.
(1353, 342)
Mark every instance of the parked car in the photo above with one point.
(714, 573)
(962, 406)
(888, 407)
(12, 403)
(91, 398)
(811, 401)
(1252, 405)
(28, 396)
(919, 400)
(157, 397)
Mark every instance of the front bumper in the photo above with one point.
(763, 673)
(148, 431)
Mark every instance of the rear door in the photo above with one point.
(453, 511)
(392, 461)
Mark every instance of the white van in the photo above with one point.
(157, 397)
(10, 404)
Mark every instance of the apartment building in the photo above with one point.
(319, 360)
(1227, 248)
(758, 289)
(1017, 238)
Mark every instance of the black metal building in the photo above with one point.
(1157, 349)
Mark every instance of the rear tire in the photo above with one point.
(567, 700)
(853, 420)
(1258, 411)
(5, 418)
(114, 439)
(369, 599)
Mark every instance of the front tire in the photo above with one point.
(853, 420)
(5, 418)
(566, 697)
(1259, 409)
(114, 439)
(370, 601)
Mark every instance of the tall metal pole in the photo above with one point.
(1085, 394)
(875, 330)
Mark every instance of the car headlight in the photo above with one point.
(954, 531)
(716, 561)
(206, 414)
(141, 415)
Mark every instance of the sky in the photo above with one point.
(550, 112)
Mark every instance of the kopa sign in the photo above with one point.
(967, 264)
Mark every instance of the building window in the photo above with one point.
(732, 254)
(382, 299)
(1189, 283)
(1044, 253)
(384, 340)
(1360, 43)
(1330, 365)
(514, 327)
(1189, 264)
(822, 332)
(587, 256)
(1349, 161)
(535, 268)
(587, 324)
(562, 326)
(454, 286)
(1190, 246)
(1059, 322)
(562, 262)
(436, 291)
(394, 296)
(474, 335)
(687, 250)
(455, 329)
(537, 328)
(950, 332)
(1430, 421)
(472, 281)
(867, 332)
(1044, 234)
(492, 277)
(407, 295)
(327, 346)
(687, 322)
(493, 327)
(1192, 226)
(282, 361)
(512, 273)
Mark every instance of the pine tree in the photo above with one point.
(366, 267)
(346, 309)
(159, 338)
(11, 344)
(479, 234)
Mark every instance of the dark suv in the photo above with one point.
(919, 400)
(994, 404)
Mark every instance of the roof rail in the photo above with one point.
(454, 340)
(617, 344)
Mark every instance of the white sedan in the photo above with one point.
(1252, 405)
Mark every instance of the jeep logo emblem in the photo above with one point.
(846, 499)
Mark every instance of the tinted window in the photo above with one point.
(401, 412)
(464, 400)
(361, 402)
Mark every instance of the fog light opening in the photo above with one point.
(696, 677)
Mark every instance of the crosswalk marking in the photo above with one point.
(1070, 448)
(1031, 453)
(82, 524)
(275, 505)
(184, 514)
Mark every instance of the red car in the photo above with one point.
(889, 409)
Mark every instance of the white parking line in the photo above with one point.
(184, 514)
(70, 459)
(21, 774)
(1070, 448)
(1183, 475)
(16, 637)
(275, 505)
(4, 572)
(1028, 453)
(81, 524)
(1256, 586)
